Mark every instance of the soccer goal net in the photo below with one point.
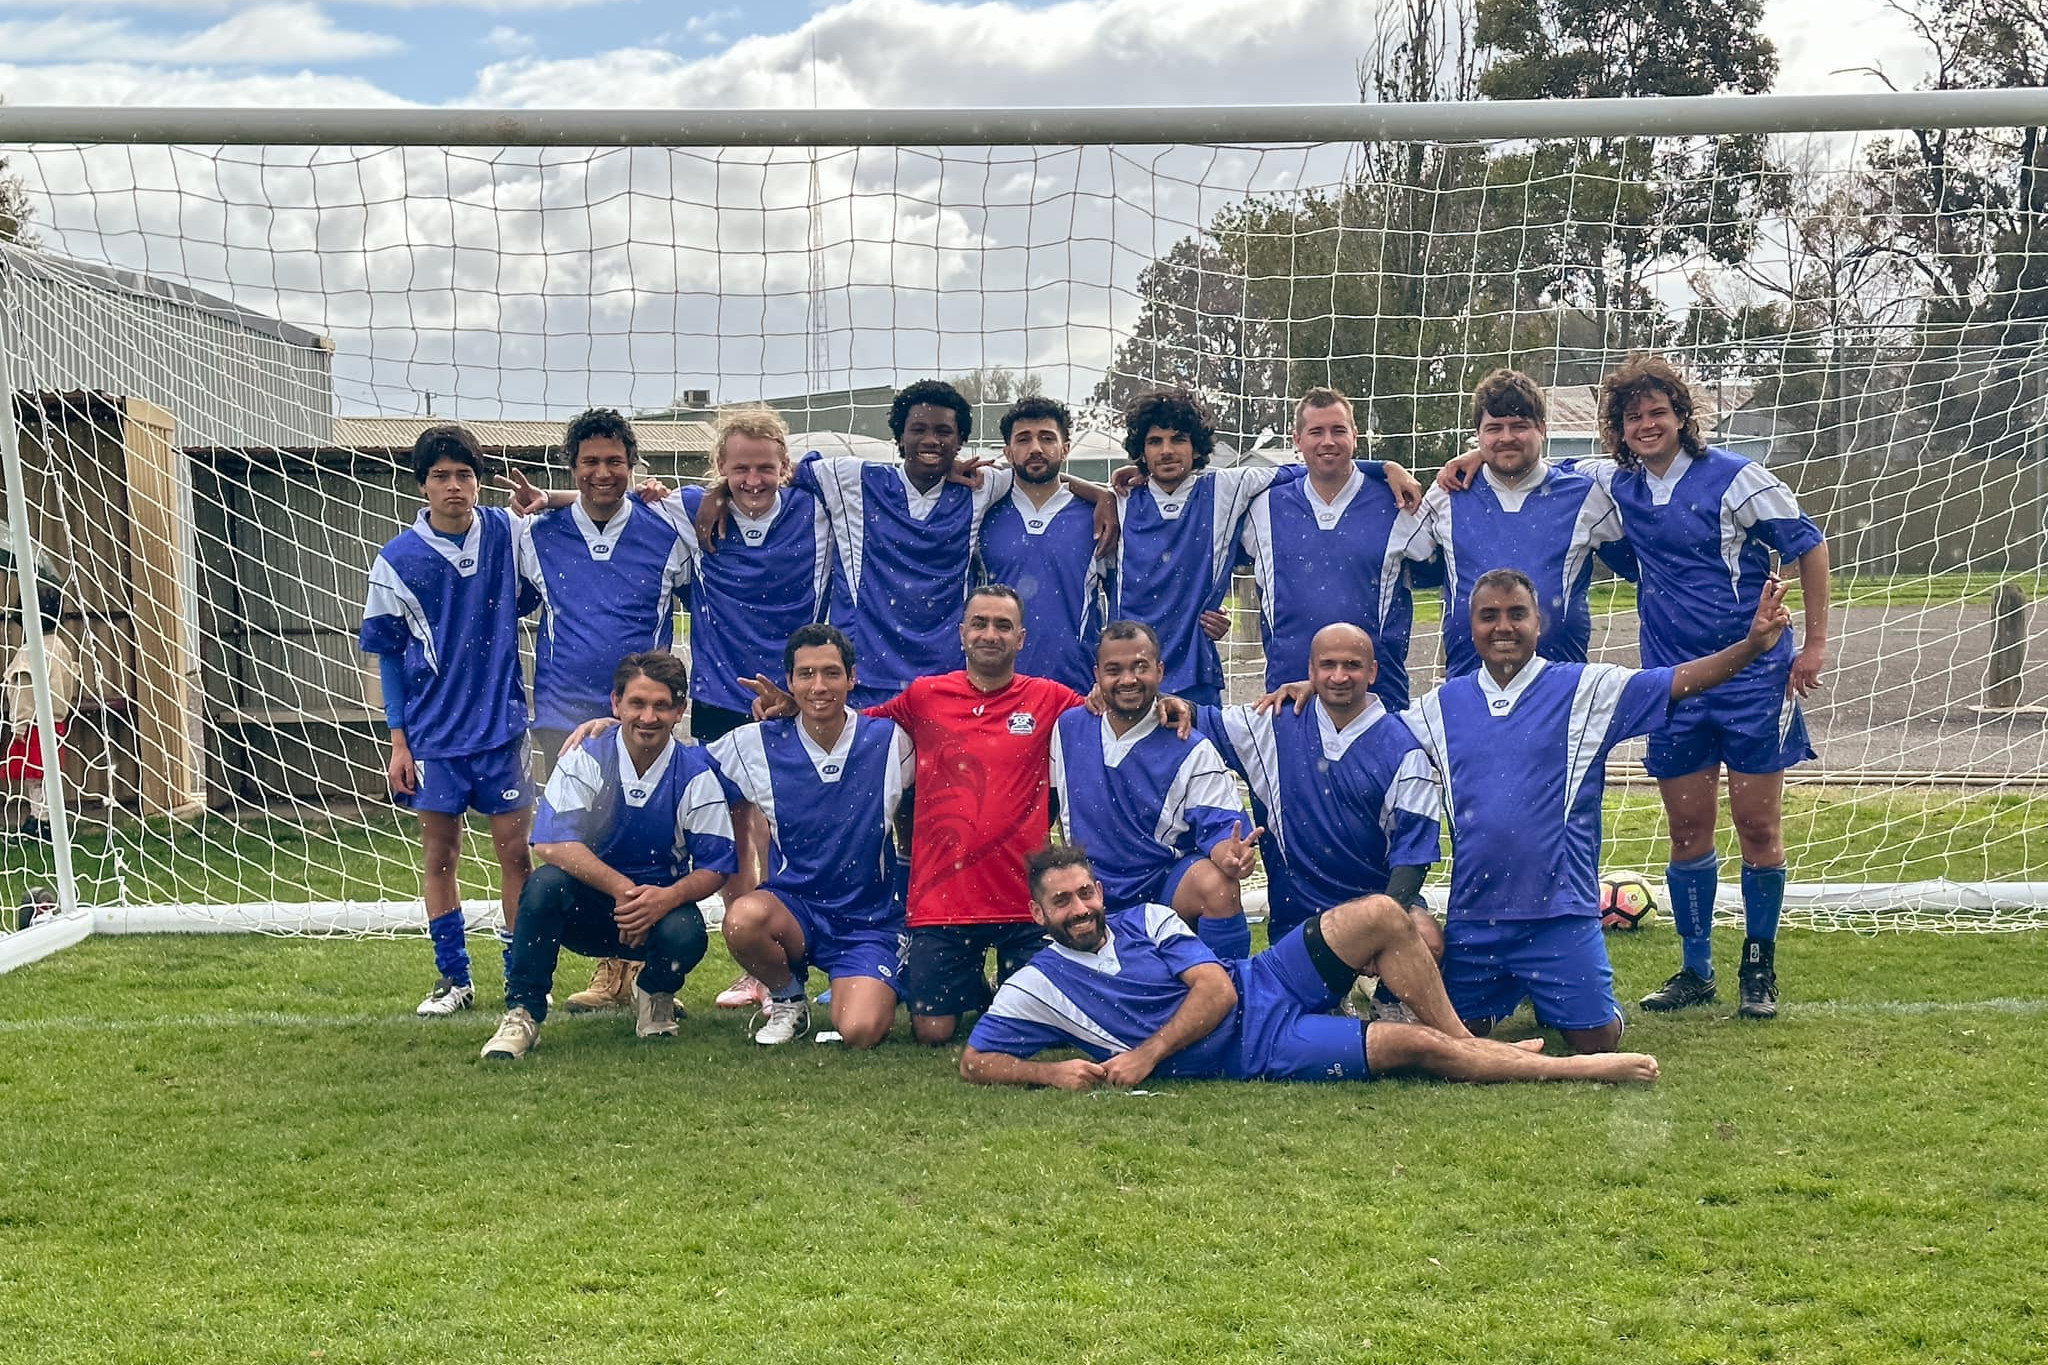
(221, 334)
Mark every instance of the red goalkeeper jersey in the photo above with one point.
(983, 759)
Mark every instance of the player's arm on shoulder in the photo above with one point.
(1210, 999)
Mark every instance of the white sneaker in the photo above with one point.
(516, 1035)
(447, 998)
(745, 993)
(787, 1020)
(654, 1013)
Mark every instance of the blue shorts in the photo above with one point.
(1288, 1032)
(1750, 723)
(1559, 963)
(1156, 886)
(841, 951)
(490, 783)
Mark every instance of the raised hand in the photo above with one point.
(770, 701)
(714, 516)
(651, 490)
(1772, 618)
(1177, 714)
(1238, 855)
(589, 729)
(967, 470)
(526, 499)
(1126, 479)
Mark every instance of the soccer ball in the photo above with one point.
(1625, 901)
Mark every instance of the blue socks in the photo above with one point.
(1692, 884)
(451, 949)
(1230, 939)
(1763, 897)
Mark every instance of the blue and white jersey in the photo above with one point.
(1141, 802)
(1341, 807)
(1318, 563)
(830, 812)
(1173, 562)
(1704, 534)
(452, 609)
(605, 592)
(902, 564)
(1048, 555)
(1548, 527)
(1524, 768)
(654, 827)
(1111, 1000)
(767, 576)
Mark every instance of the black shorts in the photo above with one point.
(945, 972)
(708, 722)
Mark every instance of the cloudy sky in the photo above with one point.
(527, 284)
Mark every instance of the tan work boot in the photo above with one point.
(610, 988)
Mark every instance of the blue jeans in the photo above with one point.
(556, 911)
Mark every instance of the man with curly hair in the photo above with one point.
(1180, 529)
(1705, 523)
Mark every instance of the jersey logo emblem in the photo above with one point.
(465, 563)
(1500, 703)
(600, 550)
(509, 794)
(1023, 723)
(638, 793)
(830, 769)
(753, 534)
(1035, 524)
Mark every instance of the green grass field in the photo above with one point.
(247, 1150)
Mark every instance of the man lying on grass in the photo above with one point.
(1138, 993)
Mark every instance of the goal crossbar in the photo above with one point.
(1454, 121)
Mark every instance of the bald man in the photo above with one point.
(1348, 799)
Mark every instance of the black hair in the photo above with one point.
(656, 665)
(810, 637)
(599, 423)
(939, 394)
(1509, 578)
(1173, 409)
(1037, 408)
(1051, 859)
(1129, 630)
(999, 590)
(446, 442)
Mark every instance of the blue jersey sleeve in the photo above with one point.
(704, 823)
(1643, 705)
(568, 811)
(1620, 556)
(384, 611)
(1004, 1028)
(1411, 816)
(1178, 945)
(391, 673)
(1209, 725)
(1213, 810)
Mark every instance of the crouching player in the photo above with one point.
(828, 782)
(1139, 994)
(635, 830)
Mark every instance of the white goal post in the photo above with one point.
(225, 325)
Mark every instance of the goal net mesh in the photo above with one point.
(221, 354)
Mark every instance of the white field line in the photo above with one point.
(279, 1019)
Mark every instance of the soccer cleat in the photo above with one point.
(787, 1020)
(1685, 989)
(516, 1035)
(447, 998)
(654, 1012)
(1758, 979)
(610, 988)
(1392, 1012)
(745, 993)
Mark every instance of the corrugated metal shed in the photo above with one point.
(515, 438)
(230, 377)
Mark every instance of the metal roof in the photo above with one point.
(36, 263)
(398, 433)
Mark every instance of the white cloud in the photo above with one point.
(266, 35)
(508, 41)
(528, 281)
(229, 6)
